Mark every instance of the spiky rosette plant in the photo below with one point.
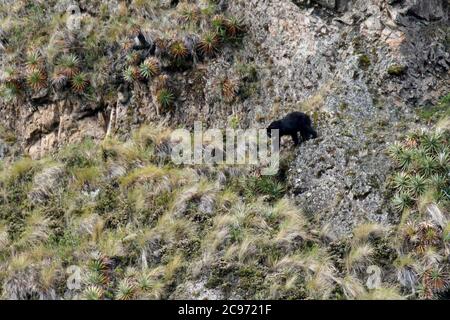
(406, 158)
(144, 283)
(234, 27)
(10, 91)
(395, 151)
(178, 50)
(427, 165)
(80, 82)
(189, 13)
(412, 140)
(34, 61)
(432, 142)
(417, 185)
(93, 293)
(402, 201)
(125, 290)
(165, 97)
(37, 79)
(11, 86)
(96, 278)
(400, 181)
(69, 65)
(422, 162)
(150, 68)
(408, 233)
(228, 29)
(11, 74)
(131, 74)
(133, 58)
(427, 236)
(218, 22)
(438, 181)
(443, 160)
(99, 264)
(209, 44)
(435, 280)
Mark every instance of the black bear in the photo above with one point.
(291, 125)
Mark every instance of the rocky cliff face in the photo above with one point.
(360, 68)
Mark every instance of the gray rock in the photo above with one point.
(333, 65)
(3, 149)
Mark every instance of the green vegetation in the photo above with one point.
(439, 111)
(421, 188)
(79, 53)
(149, 68)
(364, 62)
(138, 228)
(131, 224)
(165, 98)
(396, 70)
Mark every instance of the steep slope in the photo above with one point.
(89, 93)
(363, 69)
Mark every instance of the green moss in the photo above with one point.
(364, 62)
(436, 112)
(397, 70)
(251, 280)
(343, 106)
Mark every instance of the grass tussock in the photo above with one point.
(130, 224)
(136, 226)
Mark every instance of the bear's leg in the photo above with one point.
(295, 138)
(304, 135)
(311, 132)
(308, 133)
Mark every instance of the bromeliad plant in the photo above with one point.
(189, 14)
(34, 61)
(150, 68)
(178, 50)
(133, 58)
(421, 188)
(9, 91)
(131, 74)
(10, 84)
(234, 27)
(229, 29)
(423, 163)
(37, 79)
(80, 82)
(209, 44)
(165, 98)
(69, 65)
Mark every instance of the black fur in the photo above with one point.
(291, 125)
